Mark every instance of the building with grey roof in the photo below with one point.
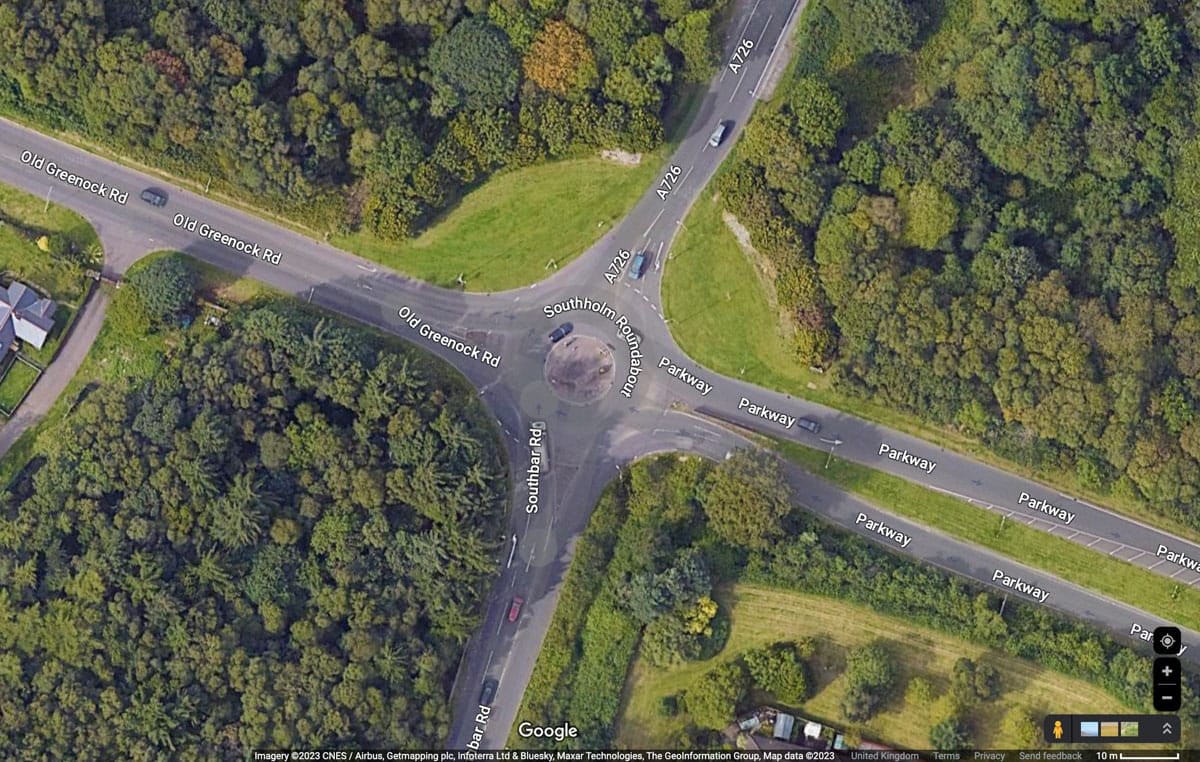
(24, 315)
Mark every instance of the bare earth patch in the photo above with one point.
(621, 157)
(763, 267)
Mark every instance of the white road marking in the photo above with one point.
(684, 180)
(655, 222)
(756, 42)
(748, 20)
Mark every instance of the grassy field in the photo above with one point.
(503, 234)
(1114, 578)
(717, 309)
(17, 382)
(761, 616)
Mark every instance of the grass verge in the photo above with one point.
(16, 384)
(504, 233)
(717, 310)
(1116, 579)
(761, 616)
(20, 256)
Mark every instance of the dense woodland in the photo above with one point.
(641, 584)
(280, 540)
(983, 211)
(353, 112)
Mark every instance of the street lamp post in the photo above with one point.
(832, 444)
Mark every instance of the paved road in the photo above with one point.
(587, 443)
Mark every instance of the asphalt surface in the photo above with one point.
(505, 340)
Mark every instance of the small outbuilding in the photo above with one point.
(783, 726)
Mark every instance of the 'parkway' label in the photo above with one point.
(1048, 508)
(685, 375)
(900, 538)
(1020, 585)
(766, 413)
(925, 464)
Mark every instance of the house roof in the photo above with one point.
(25, 315)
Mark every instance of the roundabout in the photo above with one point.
(579, 370)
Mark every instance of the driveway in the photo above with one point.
(58, 374)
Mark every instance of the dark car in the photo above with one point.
(809, 425)
(637, 266)
(514, 611)
(154, 197)
(488, 694)
(560, 333)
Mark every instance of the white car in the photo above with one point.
(718, 135)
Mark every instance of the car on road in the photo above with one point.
(154, 197)
(560, 333)
(514, 611)
(488, 694)
(637, 266)
(718, 134)
(809, 425)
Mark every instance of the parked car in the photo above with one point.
(154, 197)
(514, 611)
(809, 425)
(637, 266)
(560, 333)
(718, 134)
(488, 694)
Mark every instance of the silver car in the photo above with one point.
(718, 135)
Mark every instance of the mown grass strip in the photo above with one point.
(1116, 579)
(505, 233)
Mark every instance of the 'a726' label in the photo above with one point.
(668, 182)
(740, 54)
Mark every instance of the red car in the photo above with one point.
(514, 611)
